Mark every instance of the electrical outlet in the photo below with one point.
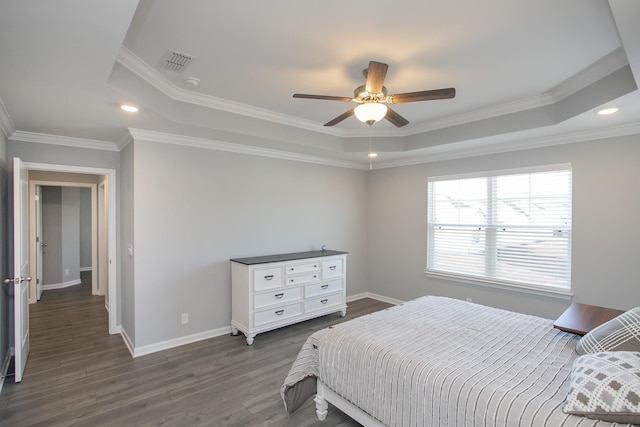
(66, 272)
(185, 318)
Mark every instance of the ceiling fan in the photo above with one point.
(372, 97)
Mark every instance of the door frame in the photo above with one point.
(110, 174)
(97, 288)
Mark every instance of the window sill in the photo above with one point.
(564, 294)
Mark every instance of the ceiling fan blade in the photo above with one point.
(327, 97)
(425, 95)
(340, 118)
(395, 118)
(375, 76)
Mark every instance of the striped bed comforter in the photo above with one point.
(438, 361)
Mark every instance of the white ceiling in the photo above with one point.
(526, 73)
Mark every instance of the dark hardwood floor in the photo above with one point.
(78, 374)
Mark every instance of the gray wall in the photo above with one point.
(65, 218)
(70, 234)
(192, 209)
(6, 324)
(52, 235)
(126, 300)
(196, 208)
(606, 202)
(86, 251)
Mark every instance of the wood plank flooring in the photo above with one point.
(78, 374)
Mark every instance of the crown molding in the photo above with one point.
(68, 141)
(133, 63)
(209, 144)
(600, 69)
(472, 148)
(6, 124)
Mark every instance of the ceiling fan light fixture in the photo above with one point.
(370, 112)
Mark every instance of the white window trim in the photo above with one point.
(564, 294)
(548, 291)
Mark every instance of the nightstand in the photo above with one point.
(581, 318)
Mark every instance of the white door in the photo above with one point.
(20, 265)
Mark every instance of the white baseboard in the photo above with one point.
(127, 341)
(86, 268)
(376, 297)
(4, 368)
(61, 285)
(176, 342)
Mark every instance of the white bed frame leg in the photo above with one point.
(322, 407)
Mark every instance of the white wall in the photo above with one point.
(197, 208)
(606, 202)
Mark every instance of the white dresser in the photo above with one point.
(272, 291)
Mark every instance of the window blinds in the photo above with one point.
(509, 228)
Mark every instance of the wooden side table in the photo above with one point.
(581, 318)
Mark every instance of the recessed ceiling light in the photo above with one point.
(607, 110)
(129, 108)
(372, 154)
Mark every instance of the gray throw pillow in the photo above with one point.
(606, 386)
(621, 333)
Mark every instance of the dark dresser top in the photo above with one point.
(285, 257)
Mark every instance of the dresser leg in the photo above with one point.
(343, 312)
(250, 338)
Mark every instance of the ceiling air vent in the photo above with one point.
(176, 61)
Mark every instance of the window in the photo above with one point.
(506, 227)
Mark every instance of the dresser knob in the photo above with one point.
(280, 295)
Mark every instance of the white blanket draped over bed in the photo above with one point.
(438, 361)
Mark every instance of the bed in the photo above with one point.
(438, 361)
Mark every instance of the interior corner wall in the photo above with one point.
(606, 203)
(126, 300)
(5, 320)
(196, 208)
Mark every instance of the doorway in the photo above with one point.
(63, 232)
(103, 183)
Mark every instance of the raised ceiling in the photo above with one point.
(526, 73)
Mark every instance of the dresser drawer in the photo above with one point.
(266, 278)
(277, 296)
(315, 289)
(304, 278)
(277, 314)
(322, 302)
(332, 268)
(302, 268)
